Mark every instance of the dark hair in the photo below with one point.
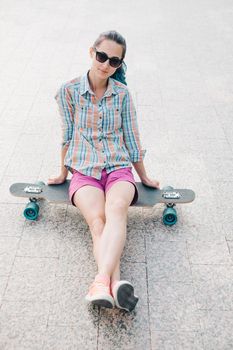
(118, 38)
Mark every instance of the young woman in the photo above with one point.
(100, 142)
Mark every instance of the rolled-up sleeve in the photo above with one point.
(130, 130)
(66, 109)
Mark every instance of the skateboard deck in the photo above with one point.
(147, 197)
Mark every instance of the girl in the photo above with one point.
(100, 141)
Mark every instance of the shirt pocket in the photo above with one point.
(85, 115)
(113, 119)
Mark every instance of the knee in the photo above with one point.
(117, 206)
(96, 226)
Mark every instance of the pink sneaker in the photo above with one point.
(99, 294)
(123, 293)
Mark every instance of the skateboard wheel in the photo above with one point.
(167, 188)
(169, 216)
(40, 183)
(31, 211)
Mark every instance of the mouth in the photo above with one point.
(103, 71)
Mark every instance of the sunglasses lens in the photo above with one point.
(114, 62)
(101, 57)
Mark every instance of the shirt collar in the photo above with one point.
(85, 86)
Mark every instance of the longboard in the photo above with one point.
(148, 197)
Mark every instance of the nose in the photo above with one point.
(106, 64)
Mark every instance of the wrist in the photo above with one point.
(64, 172)
(143, 177)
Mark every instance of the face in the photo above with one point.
(112, 49)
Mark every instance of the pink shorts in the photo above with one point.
(79, 180)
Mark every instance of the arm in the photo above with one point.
(55, 180)
(66, 110)
(140, 169)
(130, 130)
(64, 170)
(132, 140)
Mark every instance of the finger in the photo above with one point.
(52, 181)
(156, 185)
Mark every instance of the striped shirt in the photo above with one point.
(100, 133)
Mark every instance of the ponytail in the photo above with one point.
(120, 73)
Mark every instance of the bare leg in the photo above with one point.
(112, 241)
(116, 273)
(108, 231)
(91, 197)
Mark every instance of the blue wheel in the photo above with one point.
(39, 183)
(167, 188)
(31, 211)
(169, 216)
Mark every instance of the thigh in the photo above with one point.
(90, 201)
(125, 177)
(120, 194)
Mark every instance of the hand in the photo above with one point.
(150, 183)
(56, 180)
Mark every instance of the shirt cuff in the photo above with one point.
(137, 156)
(65, 143)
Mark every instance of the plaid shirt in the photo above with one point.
(100, 134)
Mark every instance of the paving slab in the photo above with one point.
(23, 324)
(8, 249)
(216, 329)
(172, 306)
(31, 279)
(213, 287)
(165, 340)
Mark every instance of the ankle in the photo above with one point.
(103, 278)
(113, 283)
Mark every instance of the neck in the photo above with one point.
(95, 82)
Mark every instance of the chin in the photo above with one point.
(103, 73)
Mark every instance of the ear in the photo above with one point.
(91, 52)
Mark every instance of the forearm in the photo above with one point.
(140, 169)
(64, 170)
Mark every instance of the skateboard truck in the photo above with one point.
(31, 211)
(170, 214)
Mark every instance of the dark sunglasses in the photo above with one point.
(102, 57)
